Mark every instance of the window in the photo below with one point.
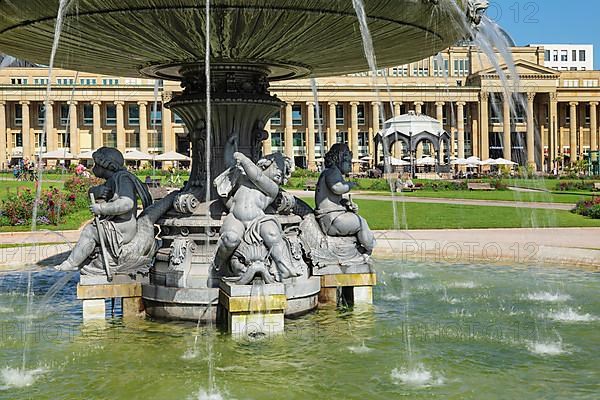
(587, 114)
(298, 139)
(319, 116)
(18, 114)
(18, 140)
(40, 81)
(574, 55)
(277, 139)
(421, 68)
(41, 114)
(111, 114)
(133, 114)
(88, 81)
(564, 55)
(88, 114)
(461, 67)
(547, 55)
(582, 55)
(110, 82)
(276, 119)
(18, 81)
(363, 139)
(495, 110)
(555, 55)
(65, 81)
(520, 111)
(590, 82)
(339, 114)
(41, 140)
(440, 67)
(571, 83)
(64, 114)
(177, 119)
(361, 114)
(156, 115)
(401, 70)
(341, 137)
(296, 115)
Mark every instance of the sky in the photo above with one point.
(550, 21)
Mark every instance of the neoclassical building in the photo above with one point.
(552, 116)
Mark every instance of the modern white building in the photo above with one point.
(568, 57)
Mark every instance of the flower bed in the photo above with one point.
(53, 206)
(588, 208)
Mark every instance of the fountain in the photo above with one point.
(217, 240)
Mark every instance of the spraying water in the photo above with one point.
(62, 9)
(369, 50)
(212, 387)
(315, 91)
(154, 110)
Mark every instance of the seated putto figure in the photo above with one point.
(336, 215)
(129, 242)
(248, 189)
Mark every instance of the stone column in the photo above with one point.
(530, 130)
(397, 109)
(167, 129)
(28, 146)
(418, 107)
(593, 126)
(475, 130)
(374, 128)
(289, 132)
(331, 139)
(310, 136)
(97, 137)
(74, 146)
(143, 126)
(3, 138)
(460, 128)
(506, 131)
(51, 142)
(573, 131)
(354, 130)
(267, 148)
(439, 112)
(121, 141)
(484, 125)
(553, 127)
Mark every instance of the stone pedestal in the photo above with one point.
(302, 295)
(347, 289)
(247, 312)
(95, 295)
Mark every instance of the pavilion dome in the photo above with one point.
(412, 124)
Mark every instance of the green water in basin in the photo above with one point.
(435, 331)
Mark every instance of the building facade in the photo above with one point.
(568, 57)
(548, 117)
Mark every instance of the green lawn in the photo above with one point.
(379, 214)
(505, 195)
(12, 186)
(73, 221)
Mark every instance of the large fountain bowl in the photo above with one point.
(159, 38)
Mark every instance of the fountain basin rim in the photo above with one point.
(176, 70)
(80, 14)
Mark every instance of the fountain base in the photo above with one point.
(347, 289)
(94, 298)
(248, 311)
